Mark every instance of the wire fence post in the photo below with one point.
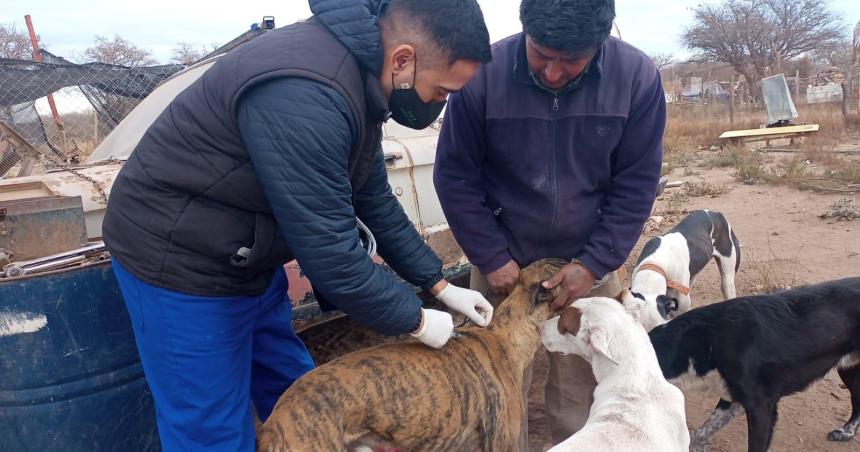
(732, 101)
(37, 57)
(797, 85)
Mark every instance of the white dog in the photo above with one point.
(669, 264)
(635, 409)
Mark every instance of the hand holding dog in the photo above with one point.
(575, 281)
(503, 280)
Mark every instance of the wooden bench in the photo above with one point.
(767, 134)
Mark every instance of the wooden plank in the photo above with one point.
(807, 128)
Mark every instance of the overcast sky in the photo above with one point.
(68, 27)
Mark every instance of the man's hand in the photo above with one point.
(503, 280)
(575, 281)
(467, 302)
(435, 329)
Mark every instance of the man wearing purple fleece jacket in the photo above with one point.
(554, 150)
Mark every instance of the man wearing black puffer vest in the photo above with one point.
(269, 156)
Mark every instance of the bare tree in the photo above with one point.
(120, 52)
(837, 54)
(14, 44)
(662, 60)
(856, 44)
(758, 36)
(847, 96)
(187, 54)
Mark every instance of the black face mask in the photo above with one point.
(408, 109)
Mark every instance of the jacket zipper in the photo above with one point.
(553, 176)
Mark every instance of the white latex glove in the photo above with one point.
(467, 302)
(436, 328)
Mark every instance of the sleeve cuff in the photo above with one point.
(494, 263)
(416, 324)
(596, 268)
(428, 284)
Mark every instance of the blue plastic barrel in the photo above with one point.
(70, 375)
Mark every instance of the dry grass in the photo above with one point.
(703, 188)
(829, 174)
(819, 150)
(845, 209)
(750, 168)
(692, 132)
(846, 171)
(772, 273)
(690, 127)
(723, 158)
(831, 123)
(680, 159)
(673, 203)
(790, 171)
(691, 171)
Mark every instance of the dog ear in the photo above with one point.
(569, 321)
(598, 341)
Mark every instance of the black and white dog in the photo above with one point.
(758, 349)
(669, 264)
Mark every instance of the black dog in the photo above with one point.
(762, 348)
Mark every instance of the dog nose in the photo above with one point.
(672, 305)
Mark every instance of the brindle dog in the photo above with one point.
(465, 396)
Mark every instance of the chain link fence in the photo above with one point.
(64, 110)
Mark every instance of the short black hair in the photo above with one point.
(573, 26)
(456, 27)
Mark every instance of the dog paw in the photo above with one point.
(840, 435)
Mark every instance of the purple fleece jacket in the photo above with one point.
(524, 173)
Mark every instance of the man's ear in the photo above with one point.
(598, 342)
(401, 56)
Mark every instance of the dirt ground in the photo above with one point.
(784, 243)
